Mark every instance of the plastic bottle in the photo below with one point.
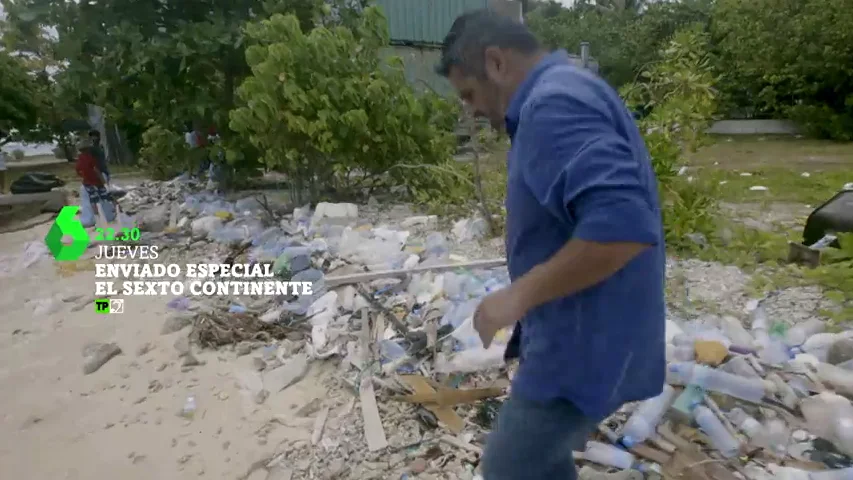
(269, 235)
(645, 419)
(716, 380)
(798, 334)
(818, 344)
(436, 245)
(842, 474)
(684, 353)
(722, 440)
(605, 454)
(771, 350)
(749, 426)
(733, 329)
(189, 408)
(784, 391)
(790, 473)
(830, 416)
(739, 366)
(839, 379)
(391, 350)
(776, 437)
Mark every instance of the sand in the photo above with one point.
(122, 421)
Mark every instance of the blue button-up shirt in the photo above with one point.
(578, 169)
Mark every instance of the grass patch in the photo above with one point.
(776, 163)
(799, 175)
(784, 184)
(751, 151)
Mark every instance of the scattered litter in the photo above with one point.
(749, 394)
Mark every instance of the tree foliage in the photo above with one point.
(679, 92)
(351, 121)
(20, 103)
(784, 58)
(624, 36)
(160, 63)
(53, 101)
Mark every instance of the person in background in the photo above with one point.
(196, 140)
(190, 137)
(216, 166)
(90, 174)
(100, 154)
(584, 241)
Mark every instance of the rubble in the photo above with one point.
(752, 392)
(97, 355)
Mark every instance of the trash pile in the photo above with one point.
(391, 309)
(390, 306)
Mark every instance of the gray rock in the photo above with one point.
(259, 363)
(191, 361)
(53, 205)
(175, 323)
(244, 348)
(182, 345)
(286, 375)
(300, 263)
(155, 219)
(840, 351)
(279, 472)
(97, 355)
(204, 226)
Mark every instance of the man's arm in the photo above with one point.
(586, 175)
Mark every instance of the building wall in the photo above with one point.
(419, 64)
(424, 22)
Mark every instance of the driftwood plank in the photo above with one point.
(335, 281)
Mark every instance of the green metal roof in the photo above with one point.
(424, 22)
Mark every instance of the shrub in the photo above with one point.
(165, 154)
(679, 91)
(326, 109)
(18, 154)
(788, 59)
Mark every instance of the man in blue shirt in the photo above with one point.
(584, 246)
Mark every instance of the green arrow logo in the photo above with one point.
(67, 224)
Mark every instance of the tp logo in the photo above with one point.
(106, 305)
(67, 224)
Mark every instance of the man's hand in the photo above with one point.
(497, 310)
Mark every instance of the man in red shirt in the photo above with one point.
(92, 177)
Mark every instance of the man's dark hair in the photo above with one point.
(471, 33)
(94, 133)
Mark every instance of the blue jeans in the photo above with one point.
(534, 441)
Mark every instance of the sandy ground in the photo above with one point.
(122, 421)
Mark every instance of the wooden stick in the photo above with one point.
(451, 396)
(370, 276)
(374, 433)
(712, 405)
(173, 216)
(450, 440)
(319, 424)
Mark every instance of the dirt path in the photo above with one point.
(122, 421)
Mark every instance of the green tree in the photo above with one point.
(58, 102)
(350, 122)
(788, 59)
(20, 103)
(162, 63)
(680, 93)
(624, 37)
